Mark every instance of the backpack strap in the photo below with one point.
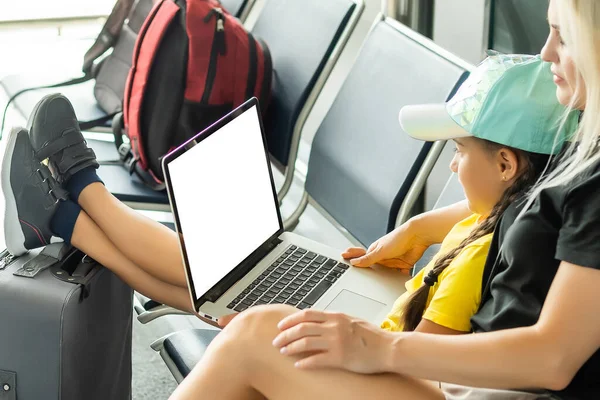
(127, 157)
(253, 66)
(87, 125)
(267, 82)
(105, 40)
(108, 35)
(74, 81)
(151, 34)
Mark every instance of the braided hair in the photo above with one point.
(534, 166)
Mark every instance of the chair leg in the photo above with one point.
(292, 221)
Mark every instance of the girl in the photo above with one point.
(539, 312)
(494, 169)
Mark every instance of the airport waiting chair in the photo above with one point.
(82, 95)
(363, 170)
(360, 156)
(305, 39)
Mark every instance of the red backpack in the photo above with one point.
(193, 62)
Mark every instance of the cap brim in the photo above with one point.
(430, 122)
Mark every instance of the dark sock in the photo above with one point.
(63, 221)
(80, 180)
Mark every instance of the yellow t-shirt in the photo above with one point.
(455, 298)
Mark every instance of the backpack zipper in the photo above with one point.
(218, 47)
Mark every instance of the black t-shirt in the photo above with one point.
(563, 224)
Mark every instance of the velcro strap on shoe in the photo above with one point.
(69, 138)
(70, 163)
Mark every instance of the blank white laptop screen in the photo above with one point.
(224, 198)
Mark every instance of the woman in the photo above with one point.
(538, 320)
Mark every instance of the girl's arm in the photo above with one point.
(433, 226)
(405, 245)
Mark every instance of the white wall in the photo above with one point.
(462, 27)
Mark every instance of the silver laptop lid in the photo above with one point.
(224, 201)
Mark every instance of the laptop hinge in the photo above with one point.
(239, 272)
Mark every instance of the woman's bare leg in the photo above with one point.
(148, 244)
(243, 364)
(89, 238)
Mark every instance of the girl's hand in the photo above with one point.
(225, 320)
(399, 249)
(334, 340)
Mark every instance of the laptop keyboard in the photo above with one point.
(298, 278)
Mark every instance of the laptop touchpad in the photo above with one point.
(354, 304)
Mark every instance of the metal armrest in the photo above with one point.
(148, 310)
(182, 350)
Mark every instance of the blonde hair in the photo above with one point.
(579, 22)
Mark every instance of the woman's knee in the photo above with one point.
(258, 322)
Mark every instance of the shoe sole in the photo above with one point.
(13, 232)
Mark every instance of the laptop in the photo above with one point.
(234, 248)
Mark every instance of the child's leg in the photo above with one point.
(242, 363)
(152, 246)
(89, 238)
(55, 136)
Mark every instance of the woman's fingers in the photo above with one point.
(324, 359)
(305, 345)
(300, 317)
(298, 332)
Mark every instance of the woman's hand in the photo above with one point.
(399, 249)
(334, 340)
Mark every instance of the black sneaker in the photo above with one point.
(55, 135)
(31, 195)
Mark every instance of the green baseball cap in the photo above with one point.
(508, 99)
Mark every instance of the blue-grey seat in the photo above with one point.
(360, 147)
(362, 166)
(305, 38)
(239, 8)
(127, 188)
(81, 95)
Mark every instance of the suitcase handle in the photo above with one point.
(76, 268)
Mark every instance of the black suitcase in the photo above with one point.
(65, 328)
